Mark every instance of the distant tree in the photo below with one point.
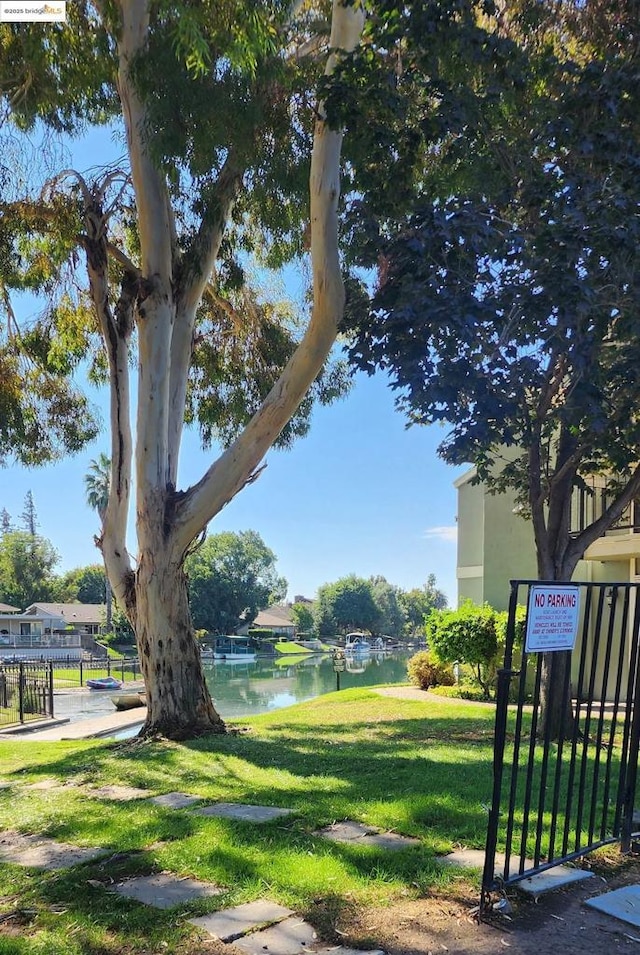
(302, 616)
(230, 578)
(26, 565)
(388, 600)
(84, 584)
(418, 604)
(97, 483)
(29, 517)
(347, 604)
(5, 521)
(121, 627)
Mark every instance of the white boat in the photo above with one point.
(357, 644)
(233, 649)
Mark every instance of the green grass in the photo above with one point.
(287, 646)
(419, 768)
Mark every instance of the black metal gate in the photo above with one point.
(555, 800)
(26, 691)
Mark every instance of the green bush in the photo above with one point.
(262, 634)
(502, 619)
(425, 671)
(467, 635)
(461, 691)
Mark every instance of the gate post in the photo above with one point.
(50, 675)
(21, 690)
(634, 741)
(504, 675)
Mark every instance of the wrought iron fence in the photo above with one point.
(26, 692)
(80, 670)
(557, 798)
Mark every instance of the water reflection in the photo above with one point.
(246, 689)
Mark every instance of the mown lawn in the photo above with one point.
(418, 768)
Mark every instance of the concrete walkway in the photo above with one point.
(84, 729)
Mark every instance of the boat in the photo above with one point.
(129, 701)
(233, 648)
(357, 643)
(105, 683)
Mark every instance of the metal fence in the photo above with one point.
(26, 692)
(80, 670)
(556, 799)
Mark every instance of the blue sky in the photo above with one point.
(361, 494)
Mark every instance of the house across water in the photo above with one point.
(50, 631)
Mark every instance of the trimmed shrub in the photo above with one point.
(467, 635)
(461, 691)
(425, 671)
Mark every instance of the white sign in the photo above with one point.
(552, 618)
(32, 11)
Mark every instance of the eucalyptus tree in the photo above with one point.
(507, 295)
(229, 157)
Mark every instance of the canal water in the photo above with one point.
(247, 689)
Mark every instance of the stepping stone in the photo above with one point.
(46, 784)
(290, 937)
(175, 800)
(340, 950)
(118, 793)
(230, 924)
(357, 833)
(534, 885)
(40, 853)
(232, 810)
(622, 904)
(165, 891)
(474, 859)
(550, 879)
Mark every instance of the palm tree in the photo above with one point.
(97, 482)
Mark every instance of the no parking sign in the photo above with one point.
(552, 618)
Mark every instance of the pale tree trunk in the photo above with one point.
(154, 594)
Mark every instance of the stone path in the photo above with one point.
(622, 903)
(118, 793)
(535, 885)
(265, 927)
(164, 891)
(356, 833)
(261, 927)
(257, 928)
(232, 810)
(175, 800)
(40, 853)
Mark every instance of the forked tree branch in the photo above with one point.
(232, 470)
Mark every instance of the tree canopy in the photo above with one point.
(26, 568)
(347, 604)
(230, 165)
(231, 577)
(508, 307)
(507, 294)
